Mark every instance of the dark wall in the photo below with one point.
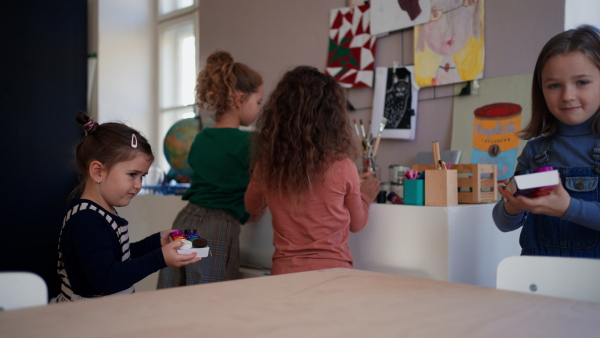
(43, 66)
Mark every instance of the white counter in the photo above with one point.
(458, 244)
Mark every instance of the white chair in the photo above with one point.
(574, 278)
(22, 289)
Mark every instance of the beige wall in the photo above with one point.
(274, 35)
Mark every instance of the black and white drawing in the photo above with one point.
(395, 98)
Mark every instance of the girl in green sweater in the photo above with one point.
(220, 158)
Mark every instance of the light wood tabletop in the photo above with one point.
(325, 303)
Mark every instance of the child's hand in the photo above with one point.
(555, 203)
(369, 185)
(511, 204)
(164, 237)
(365, 176)
(175, 260)
(255, 217)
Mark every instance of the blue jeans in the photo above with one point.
(551, 236)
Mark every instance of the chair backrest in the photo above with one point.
(574, 278)
(21, 289)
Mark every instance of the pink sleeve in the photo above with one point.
(356, 202)
(253, 199)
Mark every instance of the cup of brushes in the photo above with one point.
(369, 145)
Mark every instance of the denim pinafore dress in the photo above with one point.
(550, 236)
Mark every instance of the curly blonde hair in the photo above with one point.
(303, 127)
(220, 80)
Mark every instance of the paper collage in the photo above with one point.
(393, 15)
(450, 48)
(351, 55)
(395, 98)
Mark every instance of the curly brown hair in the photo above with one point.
(303, 127)
(584, 39)
(219, 81)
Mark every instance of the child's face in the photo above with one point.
(251, 107)
(124, 180)
(571, 87)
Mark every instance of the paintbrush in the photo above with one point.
(362, 128)
(357, 132)
(381, 126)
(366, 144)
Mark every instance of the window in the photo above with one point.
(169, 6)
(177, 66)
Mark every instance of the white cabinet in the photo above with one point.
(457, 244)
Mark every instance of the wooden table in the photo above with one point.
(325, 303)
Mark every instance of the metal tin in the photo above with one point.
(397, 172)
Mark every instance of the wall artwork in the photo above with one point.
(393, 15)
(485, 125)
(351, 54)
(450, 48)
(395, 98)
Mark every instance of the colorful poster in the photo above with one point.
(450, 48)
(495, 138)
(485, 124)
(351, 47)
(395, 99)
(393, 15)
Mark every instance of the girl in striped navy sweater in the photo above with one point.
(95, 257)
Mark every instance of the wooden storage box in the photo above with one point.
(441, 188)
(477, 183)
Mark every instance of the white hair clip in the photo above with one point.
(133, 141)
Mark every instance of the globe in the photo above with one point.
(177, 145)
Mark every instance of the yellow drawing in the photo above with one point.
(450, 48)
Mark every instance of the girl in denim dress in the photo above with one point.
(564, 133)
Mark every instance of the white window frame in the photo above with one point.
(161, 23)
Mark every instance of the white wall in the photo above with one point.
(579, 12)
(125, 62)
(92, 89)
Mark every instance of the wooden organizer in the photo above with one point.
(476, 183)
(440, 187)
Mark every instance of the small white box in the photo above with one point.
(200, 252)
(534, 184)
